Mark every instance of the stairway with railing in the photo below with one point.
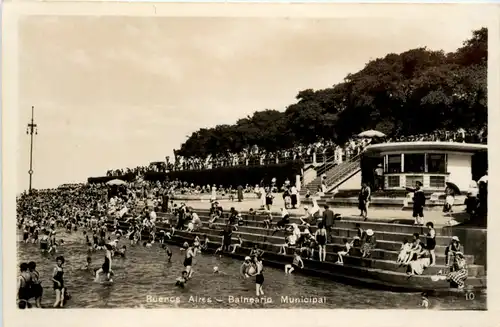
(335, 174)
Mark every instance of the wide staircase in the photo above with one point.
(380, 270)
(335, 174)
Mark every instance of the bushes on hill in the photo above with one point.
(414, 92)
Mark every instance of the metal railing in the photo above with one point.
(343, 169)
(347, 169)
(332, 164)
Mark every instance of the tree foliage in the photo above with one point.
(413, 92)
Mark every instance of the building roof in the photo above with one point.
(426, 146)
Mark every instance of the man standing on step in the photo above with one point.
(418, 204)
(379, 177)
(364, 200)
(165, 199)
(328, 221)
(293, 195)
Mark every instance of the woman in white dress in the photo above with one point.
(213, 197)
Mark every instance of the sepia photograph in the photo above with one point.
(246, 162)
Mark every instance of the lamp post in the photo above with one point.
(31, 129)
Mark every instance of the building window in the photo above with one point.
(393, 181)
(436, 163)
(414, 163)
(412, 179)
(393, 163)
(437, 181)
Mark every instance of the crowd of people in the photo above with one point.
(45, 216)
(460, 135)
(323, 151)
(415, 255)
(320, 152)
(140, 171)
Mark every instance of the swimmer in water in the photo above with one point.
(114, 243)
(169, 252)
(53, 247)
(36, 284)
(297, 263)
(106, 266)
(245, 267)
(237, 245)
(26, 234)
(196, 245)
(259, 276)
(162, 236)
(120, 252)
(181, 281)
(131, 236)
(425, 301)
(86, 265)
(23, 287)
(256, 252)
(53, 234)
(34, 237)
(57, 278)
(188, 259)
(204, 245)
(45, 242)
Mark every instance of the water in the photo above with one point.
(145, 272)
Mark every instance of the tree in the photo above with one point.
(413, 92)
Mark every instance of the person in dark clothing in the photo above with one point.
(483, 199)
(281, 224)
(165, 199)
(227, 233)
(379, 177)
(181, 215)
(418, 204)
(233, 216)
(240, 193)
(328, 220)
(364, 200)
(216, 209)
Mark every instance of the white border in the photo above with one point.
(206, 317)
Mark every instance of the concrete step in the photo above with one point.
(345, 222)
(361, 276)
(397, 203)
(391, 248)
(344, 232)
(352, 260)
(382, 259)
(386, 250)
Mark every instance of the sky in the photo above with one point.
(116, 92)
